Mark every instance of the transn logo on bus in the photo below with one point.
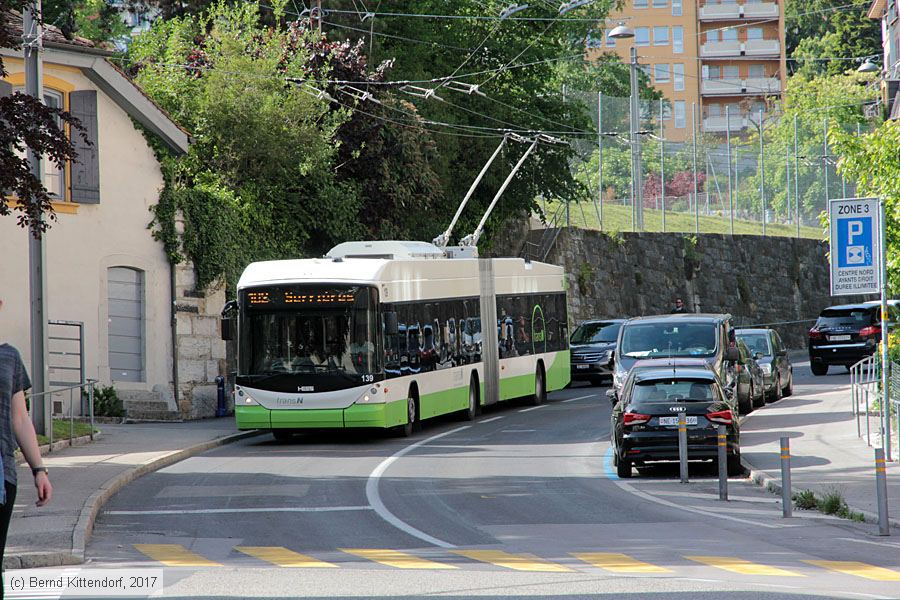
(288, 401)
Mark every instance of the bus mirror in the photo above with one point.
(227, 331)
(390, 323)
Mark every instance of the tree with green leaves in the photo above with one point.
(819, 33)
(96, 20)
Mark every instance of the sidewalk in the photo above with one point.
(85, 477)
(825, 451)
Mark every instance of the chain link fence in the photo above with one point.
(696, 177)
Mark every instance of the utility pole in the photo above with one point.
(825, 155)
(600, 158)
(40, 413)
(662, 163)
(728, 150)
(696, 188)
(319, 16)
(796, 176)
(762, 171)
(637, 192)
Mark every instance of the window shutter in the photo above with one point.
(86, 168)
(6, 89)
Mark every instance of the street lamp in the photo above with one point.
(623, 32)
(868, 67)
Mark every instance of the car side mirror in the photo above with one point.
(758, 355)
(611, 395)
(227, 329)
(781, 353)
(390, 323)
(732, 354)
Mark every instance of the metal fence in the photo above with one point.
(705, 173)
(868, 406)
(80, 396)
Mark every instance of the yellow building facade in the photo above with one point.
(704, 56)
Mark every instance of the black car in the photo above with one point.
(750, 383)
(844, 335)
(592, 347)
(769, 351)
(645, 419)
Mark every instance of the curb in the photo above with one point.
(67, 443)
(95, 502)
(763, 479)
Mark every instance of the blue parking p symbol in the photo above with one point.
(855, 242)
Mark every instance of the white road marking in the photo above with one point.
(374, 498)
(492, 419)
(518, 430)
(579, 398)
(886, 544)
(219, 511)
(532, 408)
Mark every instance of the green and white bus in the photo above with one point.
(386, 334)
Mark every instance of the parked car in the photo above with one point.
(844, 334)
(750, 385)
(591, 349)
(644, 422)
(709, 337)
(769, 351)
(656, 364)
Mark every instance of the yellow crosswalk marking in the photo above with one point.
(618, 563)
(394, 558)
(282, 556)
(519, 562)
(858, 569)
(744, 567)
(175, 555)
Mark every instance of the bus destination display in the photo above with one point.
(293, 297)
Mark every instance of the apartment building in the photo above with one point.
(886, 11)
(705, 55)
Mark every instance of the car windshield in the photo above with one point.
(846, 317)
(757, 342)
(674, 390)
(654, 340)
(596, 333)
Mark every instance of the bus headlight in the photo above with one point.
(250, 401)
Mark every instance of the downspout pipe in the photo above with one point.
(174, 325)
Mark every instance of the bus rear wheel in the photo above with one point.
(540, 387)
(282, 435)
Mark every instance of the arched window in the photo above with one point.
(126, 323)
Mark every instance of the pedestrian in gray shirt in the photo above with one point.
(16, 430)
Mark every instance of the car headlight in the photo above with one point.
(766, 368)
(619, 378)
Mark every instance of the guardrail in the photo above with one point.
(84, 388)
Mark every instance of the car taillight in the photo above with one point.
(722, 416)
(815, 334)
(870, 330)
(635, 419)
(737, 368)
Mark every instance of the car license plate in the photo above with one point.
(674, 420)
(838, 338)
(582, 366)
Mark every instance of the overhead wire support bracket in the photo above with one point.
(572, 5)
(420, 92)
(361, 95)
(465, 88)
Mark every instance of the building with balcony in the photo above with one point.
(887, 12)
(705, 56)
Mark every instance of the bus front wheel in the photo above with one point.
(412, 412)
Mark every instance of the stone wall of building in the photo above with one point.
(758, 280)
(200, 349)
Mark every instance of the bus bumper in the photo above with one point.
(375, 415)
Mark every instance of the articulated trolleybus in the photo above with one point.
(386, 334)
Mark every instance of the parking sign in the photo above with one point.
(855, 253)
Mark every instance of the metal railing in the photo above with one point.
(84, 388)
(867, 400)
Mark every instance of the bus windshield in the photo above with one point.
(308, 330)
(655, 340)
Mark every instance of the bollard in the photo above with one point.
(723, 463)
(786, 501)
(91, 383)
(884, 526)
(220, 396)
(682, 446)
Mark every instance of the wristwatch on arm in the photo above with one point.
(36, 470)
